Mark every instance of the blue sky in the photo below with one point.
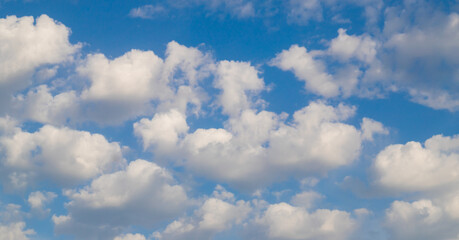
(229, 119)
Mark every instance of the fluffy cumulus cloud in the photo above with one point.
(29, 44)
(40, 105)
(216, 214)
(414, 54)
(257, 148)
(12, 225)
(236, 80)
(347, 46)
(38, 201)
(429, 170)
(50, 94)
(126, 86)
(354, 59)
(61, 155)
(284, 221)
(421, 219)
(142, 194)
(122, 88)
(15, 231)
(413, 166)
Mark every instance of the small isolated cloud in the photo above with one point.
(147, 11)
(38, 201)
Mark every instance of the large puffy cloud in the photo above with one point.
(257, 148)
(413, 166)
(27, 45)
(421, 219)
(41, 106)
(216, 214)
(122, 88)
(142, 194)
(125, 87)
(61, 155)
(429, 170)
(284, 221)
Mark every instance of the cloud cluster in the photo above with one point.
(29, 45)
(257, 148)
(429, 172)
(253, 148)
(142, 194)
(12, 225)
(413, 53)
(123, 88)
(60, 155)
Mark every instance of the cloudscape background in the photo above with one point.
(229, 119)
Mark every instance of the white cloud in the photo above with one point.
(123, 87)
(347, 46)
(12, 226)
(308, 69)
(370, 127)
(29, 44)
(420, 220)
(216, 214)
(236, 80)
(142, 194)
(302, 11)
(284, 221)
(61, 155)
(162, 131)
(136, 83)
(306, 199)
(40, 105)
(15, 231)
(38, 200)
(237, 8)
(147, 11)
(340, 70)
(127, 86)
(421, 53)
(416, 167)
(256, 149)
(130, 236)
